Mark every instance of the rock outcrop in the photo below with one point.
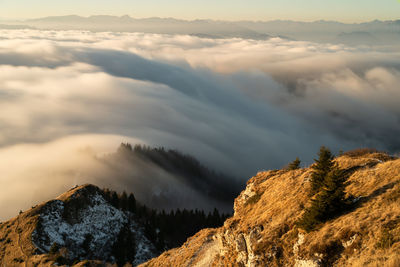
(81, 224)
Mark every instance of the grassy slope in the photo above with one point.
(16, 248)
(278, 201)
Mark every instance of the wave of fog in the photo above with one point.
(238, 105)
(32, 173)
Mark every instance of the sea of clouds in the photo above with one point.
(238, 105)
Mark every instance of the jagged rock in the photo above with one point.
(241, 248)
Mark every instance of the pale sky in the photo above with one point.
(304, 10)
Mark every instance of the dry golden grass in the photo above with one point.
(16, 248)
(380, 260)
(278, 199)
(185, 255)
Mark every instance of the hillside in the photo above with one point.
(88, 224)
(79, 224)
(263, 230)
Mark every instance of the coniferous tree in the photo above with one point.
(123, 201)
(165, 230)
(328, 202)
(131, 203)
(124, 148)
(124, 247)
(332, 191)
(323, 165)
(115, 199)
(294, 165)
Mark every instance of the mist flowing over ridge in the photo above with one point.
(222, 100)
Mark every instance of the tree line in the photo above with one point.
(184, 167)
(164, 229)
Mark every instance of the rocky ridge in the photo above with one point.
(80, 223)
(263, 230)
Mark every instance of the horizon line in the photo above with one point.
(191, 20)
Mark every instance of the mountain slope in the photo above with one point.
(80, 224)
(99, 226)
(263, 230)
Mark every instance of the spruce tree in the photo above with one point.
(328, 202)
(123, 201)
(115, 199)
(124, 247)
(294, 165)
(333, 193)
(131, 203)
(323, 165)
(125, 149)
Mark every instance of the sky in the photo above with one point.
(301, 10)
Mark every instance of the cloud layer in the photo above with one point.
(238, 105)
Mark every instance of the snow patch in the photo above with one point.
(88, 226)
(98, 221)
(145, 250)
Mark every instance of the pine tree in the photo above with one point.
(323, 165)
(333, 191)
(123, 201)
(294, 165)
(124, 148)
(114, 199)
(107, 194)
(131, 203)
(124, 247)
(328, 202)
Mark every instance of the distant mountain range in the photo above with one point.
(380, 32)
(212, 29)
